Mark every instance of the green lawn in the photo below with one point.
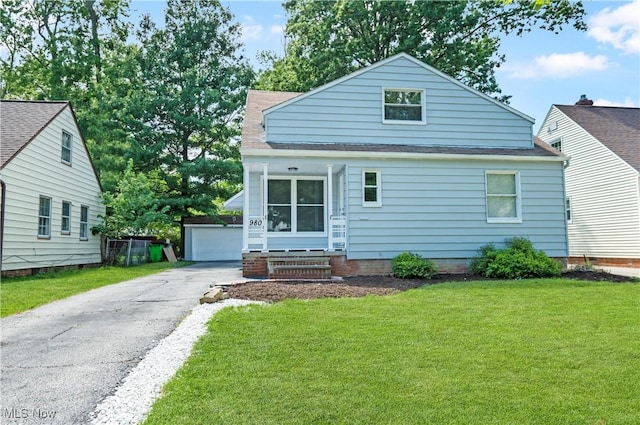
(518, 352)
(24, 293)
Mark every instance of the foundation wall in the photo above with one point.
(611, 262)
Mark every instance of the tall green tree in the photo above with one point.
(328, 39)
(133, 209)
(185, 119)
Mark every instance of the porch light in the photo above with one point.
(293, 169)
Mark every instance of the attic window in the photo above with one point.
(404, 106)
(67, 143)
(557, 144)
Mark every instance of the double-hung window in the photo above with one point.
(84, 223)
(403, 106)
(371, 188)
(65, 224)
(67, 143)
(503, 197)
(44, 217)
(567, 204)
(296, 205)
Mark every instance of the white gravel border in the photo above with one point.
(132, 401)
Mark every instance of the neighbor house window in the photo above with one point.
(371, 188)
(67, 142)
(404, 106)
(567, 204)
(557, 144)
(44, 217)
(296, 205)
(503, 197)
(65, 226)
(84, 223)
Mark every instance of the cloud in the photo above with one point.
(619, 27)
(251, 32)
(559, 66)
(276, 29)
(626, 103)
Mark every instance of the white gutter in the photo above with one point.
(294, 153)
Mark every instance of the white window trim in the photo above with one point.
(294, 204)
(423, 108)
(64, 147)
(511, 220)
(554, 141)
(48, 217)
(68, 217)
(378, 202)
(86, 223)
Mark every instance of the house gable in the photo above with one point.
(350, 111)
(617, 128)
(21, 122)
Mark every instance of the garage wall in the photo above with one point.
(212, 242)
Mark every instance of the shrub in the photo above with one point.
(409, 265)
(518, 260)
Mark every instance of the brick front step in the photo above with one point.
(299, 268)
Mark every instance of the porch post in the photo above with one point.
(265, 198)
(330, 205)
(245, 209)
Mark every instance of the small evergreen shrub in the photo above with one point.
(409, 265)
(518, 260)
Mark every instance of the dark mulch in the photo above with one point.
(359, 286)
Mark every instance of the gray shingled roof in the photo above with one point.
(21, 121)
(253, 135)
(617, 128)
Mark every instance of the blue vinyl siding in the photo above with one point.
(438, 209)
(351, 112)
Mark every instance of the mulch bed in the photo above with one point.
(360, 286)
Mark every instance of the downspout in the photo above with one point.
(3, 189)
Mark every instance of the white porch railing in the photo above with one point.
(257, 232)
(337, 232)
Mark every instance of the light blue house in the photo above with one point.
(394, 157)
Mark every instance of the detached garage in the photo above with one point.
(208, 240)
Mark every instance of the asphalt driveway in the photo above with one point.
(60, 360)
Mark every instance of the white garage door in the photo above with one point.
(216, 243)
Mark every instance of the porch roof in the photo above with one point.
(254, 137)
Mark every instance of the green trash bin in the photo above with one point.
(155, 253)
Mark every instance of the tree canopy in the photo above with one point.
(168, 97)
(185, 117)
(328, 39)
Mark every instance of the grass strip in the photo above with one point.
(528, 352)
(24, 293)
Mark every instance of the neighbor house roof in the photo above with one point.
(21, 121)
(617, 128)
(254, 137)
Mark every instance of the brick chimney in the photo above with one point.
(584, 101)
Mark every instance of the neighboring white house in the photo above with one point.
(394, 157)
(50, 191)
(603, 180)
